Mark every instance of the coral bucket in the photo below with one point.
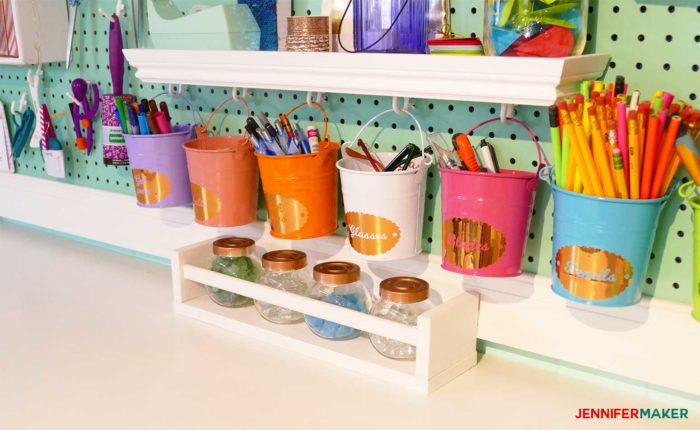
(224, 178)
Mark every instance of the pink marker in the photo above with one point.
(667, 100)
(622, 137)
(162, 122)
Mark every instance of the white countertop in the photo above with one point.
(88, 341)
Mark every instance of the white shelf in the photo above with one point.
(655, 342)
(510, 80)
(444, 337)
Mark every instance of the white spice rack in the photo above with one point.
(445, 337)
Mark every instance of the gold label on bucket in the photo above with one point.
(591, 273)
(287, 215)
(371, 234)
(151, 187)
(206, 204)
(470, 244)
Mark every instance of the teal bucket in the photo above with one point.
(602, 247)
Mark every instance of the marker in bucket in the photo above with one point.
(489, 156)
(403, 158)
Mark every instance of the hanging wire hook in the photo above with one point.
(176, 91)
(22, 105)
(309, 102)
(507, 111)
(242, 98)
(401, 110)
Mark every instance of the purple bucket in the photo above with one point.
(159, 168)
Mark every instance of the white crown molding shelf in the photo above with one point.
(656, 342)
(509, 80)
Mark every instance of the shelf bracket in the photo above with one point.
(401, 110)
(309, 95)
(507, 111)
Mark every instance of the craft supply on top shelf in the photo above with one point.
(535, 28)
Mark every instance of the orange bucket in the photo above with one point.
(223, 177)
(301, 191)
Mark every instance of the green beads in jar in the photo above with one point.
(234, 256)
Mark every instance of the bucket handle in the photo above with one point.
(181, 96)
(317, 105)
(541, 157)
(427, 158)
(203, 130)
(687, 190)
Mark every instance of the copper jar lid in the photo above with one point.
(337, 273)
(233, 247)
(404, 289)
(284, 260)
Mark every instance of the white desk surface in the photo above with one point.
(88, 341)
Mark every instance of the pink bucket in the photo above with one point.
(485, 218)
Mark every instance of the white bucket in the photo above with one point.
(384, 210)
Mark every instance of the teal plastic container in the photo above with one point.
(602, 247)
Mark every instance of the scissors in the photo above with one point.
(72, 13)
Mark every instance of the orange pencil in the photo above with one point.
(649, 163)
(667, 150)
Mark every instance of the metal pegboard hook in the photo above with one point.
(22, 105)
(401, 110)
(176, 91)
(507, 111)
(309, 95)
(242, 98)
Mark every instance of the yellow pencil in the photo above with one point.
(578, 182)
(633, 150)
(619, 173)
(589, 174)
(600, 155)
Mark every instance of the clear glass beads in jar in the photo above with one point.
(338, 283)
(402, 300)
(233, 256)
(535, 28)
(284, 270)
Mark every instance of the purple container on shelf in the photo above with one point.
(159, 167)
(373, 19)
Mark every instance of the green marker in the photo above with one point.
(556, 145)
(122, 114)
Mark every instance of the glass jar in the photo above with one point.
(402, 300)
(535, 28)
(373, 30)
(284, 270)
(338, 283)
(233, 256)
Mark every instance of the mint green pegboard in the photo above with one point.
(651, 43)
